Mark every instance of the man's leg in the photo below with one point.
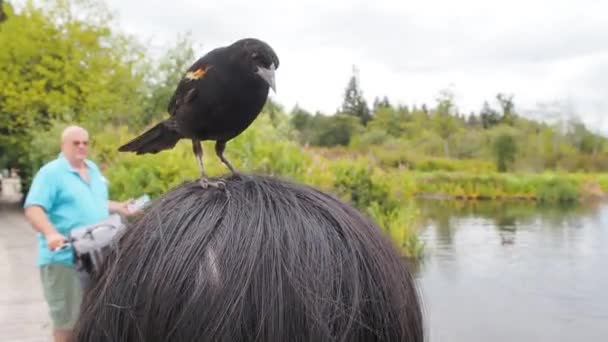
(63, 293)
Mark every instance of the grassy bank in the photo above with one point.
(546, 187)
(411, 175)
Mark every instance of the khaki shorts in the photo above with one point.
(63, 293)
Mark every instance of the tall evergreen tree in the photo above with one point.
(354, 104)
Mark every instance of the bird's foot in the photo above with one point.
(205, 183)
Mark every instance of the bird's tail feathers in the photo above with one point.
(158, 138)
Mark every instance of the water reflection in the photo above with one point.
(515, 271)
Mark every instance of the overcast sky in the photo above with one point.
(538, 50)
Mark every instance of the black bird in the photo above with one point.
(217, 99)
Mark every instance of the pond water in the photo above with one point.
(514, 271)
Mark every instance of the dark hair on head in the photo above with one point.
(261, 260)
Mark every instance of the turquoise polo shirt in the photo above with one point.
(69, 202)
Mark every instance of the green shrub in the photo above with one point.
(558, 190)
(354, 182)
(505, 149)
(398, 223)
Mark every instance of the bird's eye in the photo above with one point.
(254, 55)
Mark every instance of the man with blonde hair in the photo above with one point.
(66, 193)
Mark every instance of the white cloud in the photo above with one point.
(539, 50)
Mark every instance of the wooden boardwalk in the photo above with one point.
(23, 312)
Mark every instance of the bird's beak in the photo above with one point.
(268, 76)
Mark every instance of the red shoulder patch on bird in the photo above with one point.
(197, 74)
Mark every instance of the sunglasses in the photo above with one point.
(78, 143)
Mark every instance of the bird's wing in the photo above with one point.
(186, 90)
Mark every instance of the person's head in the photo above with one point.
(75, 144)
(261, 260)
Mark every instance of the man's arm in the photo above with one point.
(115, 207)
(37, 217)
(39, 199)
(119, 208)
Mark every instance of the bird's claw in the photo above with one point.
(205, 183)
